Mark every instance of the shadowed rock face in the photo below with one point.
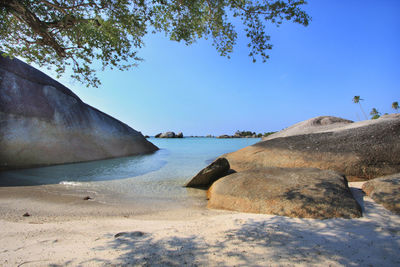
(42, 122)
(366, 150)
(211, 173)
(386, 191)
(297, 192)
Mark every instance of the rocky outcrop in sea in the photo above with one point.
(169, 135)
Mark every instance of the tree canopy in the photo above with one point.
(75, 33)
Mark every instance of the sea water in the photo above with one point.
(159, 176)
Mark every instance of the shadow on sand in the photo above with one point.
(372, 240)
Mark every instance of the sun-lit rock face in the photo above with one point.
(293, 192)
(365, 149)
(386, 191)
(42, 122)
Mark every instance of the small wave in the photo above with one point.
(70, 183)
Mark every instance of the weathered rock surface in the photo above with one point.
(169, 135)
(217, 169)
(42, 122)
(386, 191)
(365, 149)
(302, 192)
(315, 125)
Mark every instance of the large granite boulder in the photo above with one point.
(315, 125)
(204, 179)
(386, 191)
(42, 122)
(301, 192)
(365, 150)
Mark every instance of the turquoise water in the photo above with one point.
(160, 175)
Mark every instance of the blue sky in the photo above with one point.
(350, 48)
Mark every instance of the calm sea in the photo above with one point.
(158, 176)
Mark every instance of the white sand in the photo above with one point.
(210, 238)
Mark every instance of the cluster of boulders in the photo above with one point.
(303, 171)
(169, 135)
(237, 136)
(43, 122)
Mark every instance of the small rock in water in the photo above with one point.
(87, 198)
(130, 234)
(26, 214)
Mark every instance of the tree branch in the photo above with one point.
(22, 13)
(63, 8)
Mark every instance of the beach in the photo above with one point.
(126, 141)
(85, 233)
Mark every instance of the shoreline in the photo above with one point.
(52, 203)
(194, 237)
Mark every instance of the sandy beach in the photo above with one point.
(99, 236)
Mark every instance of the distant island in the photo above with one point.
(169, 135)
(246, 134)
(238, 134)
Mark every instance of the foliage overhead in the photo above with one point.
(76, 33)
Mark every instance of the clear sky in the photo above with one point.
(350, 48)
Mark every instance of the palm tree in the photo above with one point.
(395, 106)
(375, 114)
(356, 100)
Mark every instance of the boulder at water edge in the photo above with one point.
(298, 192)
(42, 122)
(365, 149)
(210, 174)
(386, 191)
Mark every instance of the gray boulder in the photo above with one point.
(42, 122)
(386, 191)
(300, 192)
(365, 150)
(210, 174)
(168, 135)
